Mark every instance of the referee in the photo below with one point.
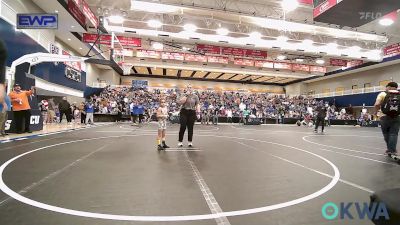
(190, 104)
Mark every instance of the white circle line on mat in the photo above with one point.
(41, 205)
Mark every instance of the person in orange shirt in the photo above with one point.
(21, 108)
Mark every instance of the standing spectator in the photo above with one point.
(320, 117)
(4, 109)
(89, 109)
(350, 110)
(387, 106)
(21, 108)
(246, 115)
(133, 110)
(51, 113)
(119, 113)
(189, 102)
(83, 112)
(140, 111)
(65, 108)
(77, 113)
(229, 115)
(44, 107)
(215, 116)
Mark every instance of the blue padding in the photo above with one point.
(56, 74)
(355, 100)
(89, 91)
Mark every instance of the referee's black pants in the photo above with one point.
(187, 119)
(22, 117)
(320, 121)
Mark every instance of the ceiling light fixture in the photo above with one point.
(69, 39)
(157, 46)
(332, 45)
(320, 61)
(116, 19)
(222, 31)
(281, 57)
(299, 60)
(289, 5)
(355, 48)
(308, 42)
(282, 39)
(190, 27)
(388, 19)
(154, 23)
(255, 35)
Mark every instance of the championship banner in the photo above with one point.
(354, 63)
(218, 59)
(243, 62)
(255, 53)
(323, 7)
(148, 54)
(81, 11)
(392, 50)
(318, 69)
(173, 55)
(233, 51)
(286, 66)
(338, 62)
(264, 64)
(210, 49)
(195, 58)
(75, 11)
(301, 67)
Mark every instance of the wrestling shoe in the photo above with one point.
(160, 148)
(164, 145)
(180, 144)
(190, 144)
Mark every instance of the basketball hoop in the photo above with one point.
(126, 67)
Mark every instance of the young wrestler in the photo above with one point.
(162, 115)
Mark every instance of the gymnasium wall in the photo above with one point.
(171, 83)
(92, 74)
(109, 76)
(374, 77)
(296, 89)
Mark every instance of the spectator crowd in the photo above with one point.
(214, 104)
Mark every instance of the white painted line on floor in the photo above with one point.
(207, 194)
(6, 141)
(20, 139)
(183, 150)
(360, 157)
(119, 217)
(371, 147)
(324, 174)
(308, 168)
(52, 175)
(344, 149)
